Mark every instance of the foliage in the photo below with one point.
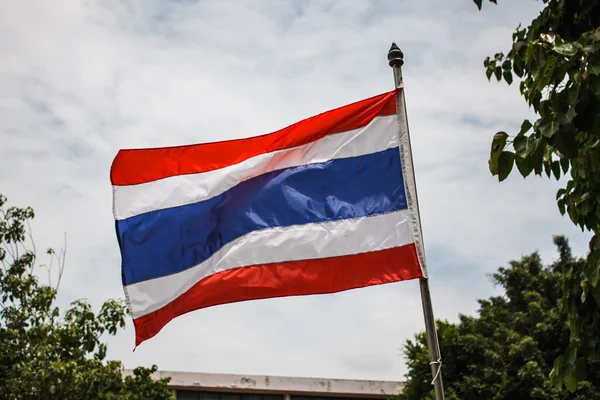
(507, 350)
(141, 386)
(48, 355)
(557, 61)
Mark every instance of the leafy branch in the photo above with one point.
(46, 354)
(556, 60)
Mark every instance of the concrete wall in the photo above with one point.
(280, 385)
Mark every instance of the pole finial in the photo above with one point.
(395, 56)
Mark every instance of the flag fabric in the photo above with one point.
(325, 205)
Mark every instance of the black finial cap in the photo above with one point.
(395, 56)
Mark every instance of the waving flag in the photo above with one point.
(322, 206)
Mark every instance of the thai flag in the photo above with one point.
(324, 205)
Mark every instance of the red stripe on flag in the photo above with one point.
(292, 278)
(137, 166)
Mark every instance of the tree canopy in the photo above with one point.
(46, 354)
(507, 350)
(556, 60)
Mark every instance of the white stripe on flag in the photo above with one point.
(380, 134)
(281, 244)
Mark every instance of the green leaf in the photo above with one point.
(518, 65)
(547, 168)
(594, 68)
(478, 3)
(507, 77)
(548, 155)
(542, 60)
(569, 377)
(529, 56)
(489, 72)
(505, 164)
(561, 104)
(524, 166)
(498, 143)
(595, 242)
(574, 370)
(533, 145)
(585, 287)
(498, 73)
(579, 370)
(525, 126)
(507, 65)
(592, 273)
(556, 375)
(568, 48)
(536, 149)
(570, 185)
(493, 165)
(549, 128)
(561, 206)
(556, 169)
(520, 146)
(571, 355)
(564, 163)
(584, 196)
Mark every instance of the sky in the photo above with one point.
(80, 80)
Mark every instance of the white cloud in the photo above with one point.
(80, 80)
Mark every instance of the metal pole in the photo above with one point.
(396, 60)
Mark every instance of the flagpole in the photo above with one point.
(396, 60)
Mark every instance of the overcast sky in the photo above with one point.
(80, 80)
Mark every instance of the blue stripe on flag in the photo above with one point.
(171, 240)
